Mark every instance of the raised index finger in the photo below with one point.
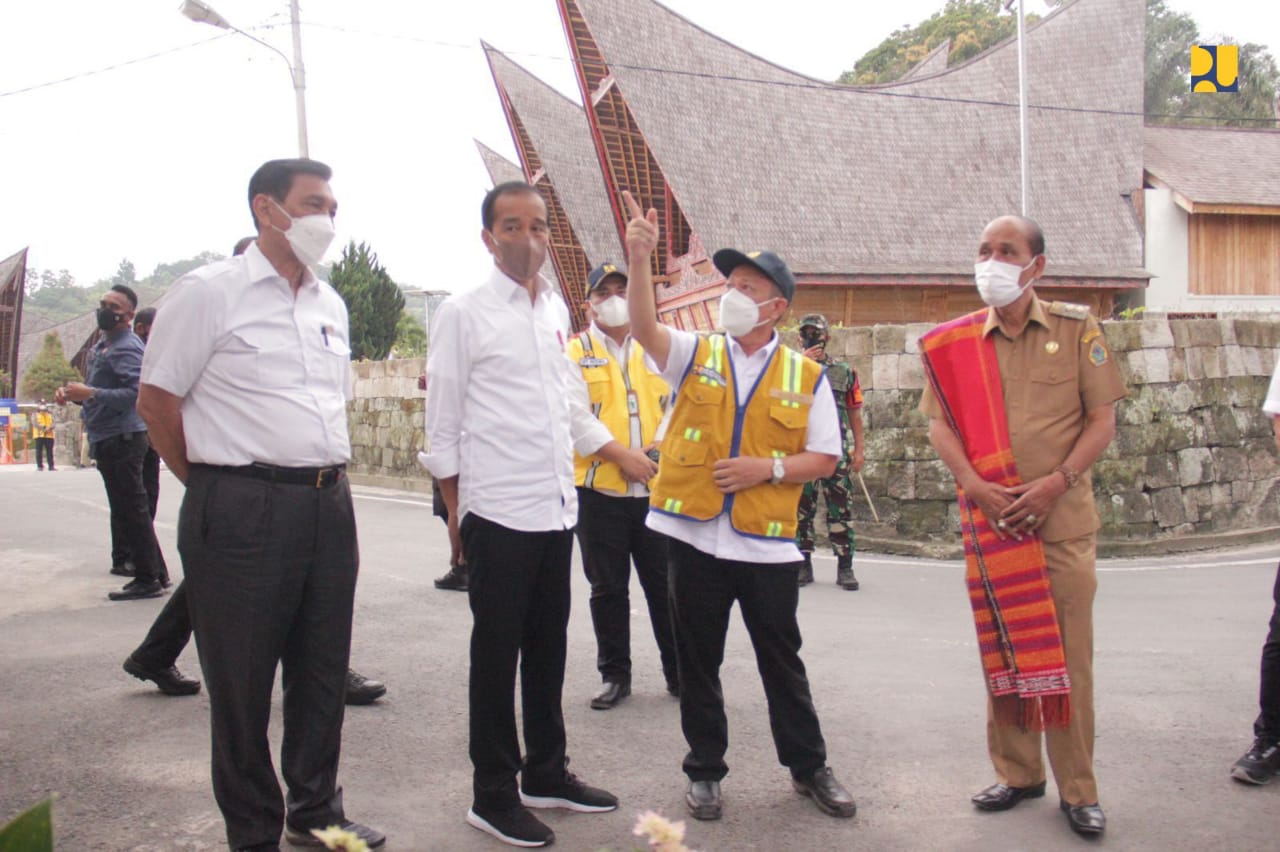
(633, 207)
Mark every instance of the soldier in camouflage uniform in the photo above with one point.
(838, 488)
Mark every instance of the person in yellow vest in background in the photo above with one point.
(752, 422)
(629, 399)
(42, 433)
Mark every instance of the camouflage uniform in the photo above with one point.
(838, 488)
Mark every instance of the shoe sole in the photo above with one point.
(1083, 831)
(158, 593)
(830, 810)
(1241, 774)
(133, 668)
(546, 802)
(476, 821)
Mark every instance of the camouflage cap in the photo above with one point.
(817, 321)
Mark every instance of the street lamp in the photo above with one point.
(203, 13)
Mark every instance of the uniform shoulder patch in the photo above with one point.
(1070, 310)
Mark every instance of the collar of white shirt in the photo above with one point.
(618, 352)
(509, 288)
(258, 268)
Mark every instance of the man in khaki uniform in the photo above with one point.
(1060, 385)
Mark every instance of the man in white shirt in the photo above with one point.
(244, 388)
(752, 422)
(613, 500)
(501, 425)
(1261, 762)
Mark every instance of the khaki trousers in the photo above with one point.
(1015, 753)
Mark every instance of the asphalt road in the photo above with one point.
(894, 672)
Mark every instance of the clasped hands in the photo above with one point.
(1018, 510)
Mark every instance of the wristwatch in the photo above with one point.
(778, 471)
(1071, 476)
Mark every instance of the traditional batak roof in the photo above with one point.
(502, 170)
(1216, 170)
(893, 180)
(553, 139)
(13, 286)
(935, 62)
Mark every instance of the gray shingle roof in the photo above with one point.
(1211, 165)
(893, 178)
(934, 63)
(562, 137)
(502, 170)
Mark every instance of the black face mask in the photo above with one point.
(811, 340)
(107, 319)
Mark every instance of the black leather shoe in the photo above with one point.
(1085, 820)
(454, 581)
(612, 693)
(361, 690)
(827, 793)
(170, 680)
(703, 799)
(124, 569)
(303, 837)
(137, 590)
(1001, 797)
(845, 578)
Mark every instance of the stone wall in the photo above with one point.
(386, 418)
(1193, 459)
(1193, 463)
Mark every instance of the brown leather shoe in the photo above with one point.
(1001, 797)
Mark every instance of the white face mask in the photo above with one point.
(308, 236)
(998, 281)
(612, 312)
(739, 313)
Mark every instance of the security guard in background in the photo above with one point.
(629, 400)
(838, 488)
(42, 433)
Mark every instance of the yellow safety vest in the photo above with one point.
(43, 425)
(707, 425)
(614, 397)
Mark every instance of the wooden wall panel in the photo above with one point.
(1230, 255)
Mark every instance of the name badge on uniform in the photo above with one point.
(709, 374)
(591, 361)
(633, 402)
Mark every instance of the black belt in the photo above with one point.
(319, 477)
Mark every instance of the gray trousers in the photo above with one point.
(271, 574)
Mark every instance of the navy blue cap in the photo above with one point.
(601, 272)
(727, 260)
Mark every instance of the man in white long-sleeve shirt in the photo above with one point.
(502, 425)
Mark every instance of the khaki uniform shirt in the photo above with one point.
(1052, 373)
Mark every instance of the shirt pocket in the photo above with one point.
(789, 416)
(1054, 389)
(597, 380)
(273, 361)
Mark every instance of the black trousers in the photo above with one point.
(169, 633)
(703, 590)
(519, 594)
(1268, 722)
(120, 461)
(120, 552)
(611, 533)
(271, 575)
(44, 450)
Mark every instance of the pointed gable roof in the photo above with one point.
(935, 62)
(558, 130)
(1216, 167)
(502, 170)
(898, 179)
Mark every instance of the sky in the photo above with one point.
(150, 160)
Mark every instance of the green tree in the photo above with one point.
(975, 25)
(411, 337)
(972, 26)
(48, 371)
(373, 300)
